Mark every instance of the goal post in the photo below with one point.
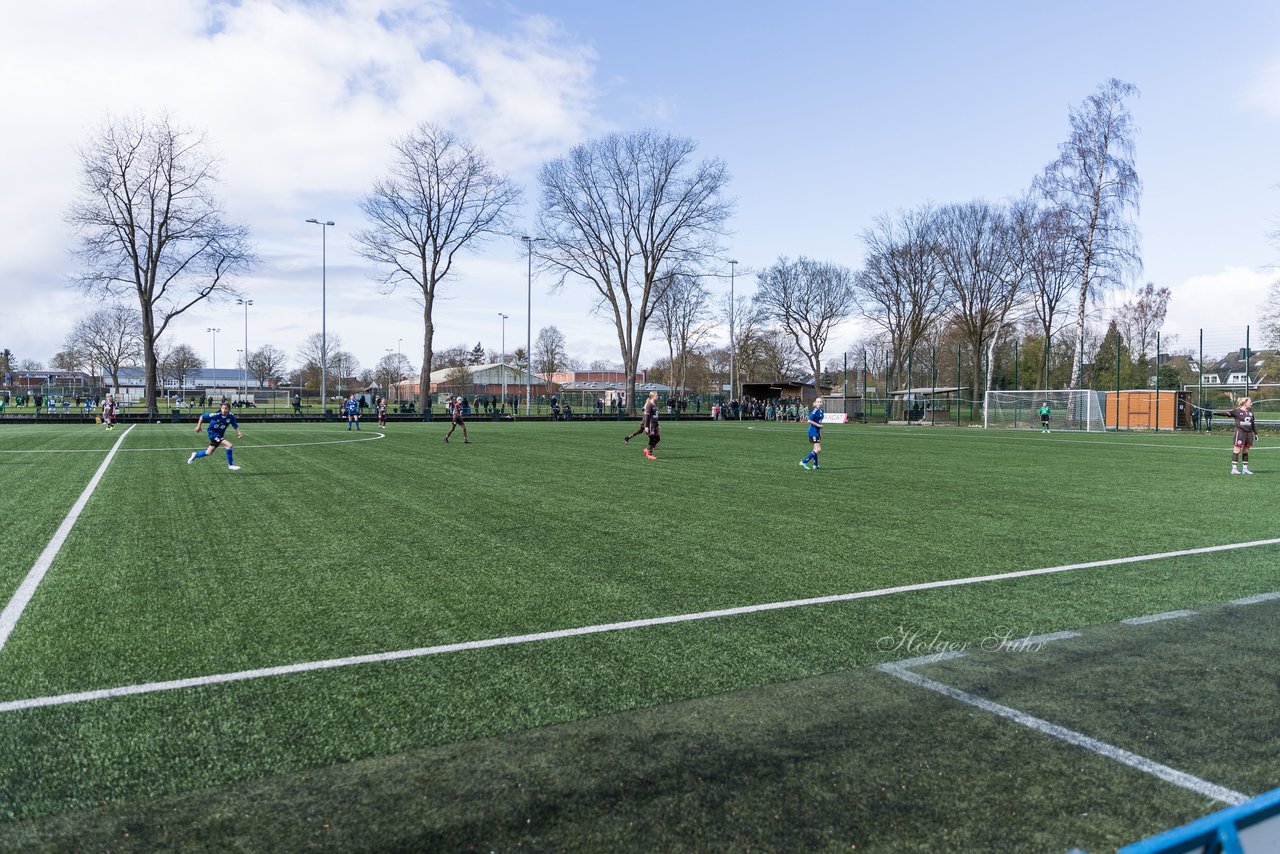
(1069, 409)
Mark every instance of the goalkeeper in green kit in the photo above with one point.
(1044, 417)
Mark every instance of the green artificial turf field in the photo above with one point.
(367, 640)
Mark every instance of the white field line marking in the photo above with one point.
(999, 434)
(1133, 760)
(1049, 637)
(13, 611)
(931, 658)
(1254, 600)
(240, 444)
(488, 643)
(1157, 618)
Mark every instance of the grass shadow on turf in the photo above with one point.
(855, 758)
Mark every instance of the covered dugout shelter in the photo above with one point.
(928, 404)
(781, 390)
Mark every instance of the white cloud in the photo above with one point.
(300, 100)
(1222, 304)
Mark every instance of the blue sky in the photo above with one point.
(826, 113)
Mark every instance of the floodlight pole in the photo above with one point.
(528, 353)
(246, 303)
(214, 367)
(324, 337)
(733, 350)
(503, 358)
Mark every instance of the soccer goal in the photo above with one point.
(1069, 409)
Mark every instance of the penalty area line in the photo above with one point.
(13, 611)
(557, 634)
(1110, 751)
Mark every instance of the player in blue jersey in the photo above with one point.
(815, 434)
(218, 424)
(351, 409)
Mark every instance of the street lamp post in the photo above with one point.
(503, 359)
(246, 303)
(733, 349)
(214, 368)
(528, 352)
(324, 337)
(399, 362)
(389, 372)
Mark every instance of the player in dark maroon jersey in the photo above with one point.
(1246, 433)
(650, 424)
(109, 411)
(455, 407)
(382, 412)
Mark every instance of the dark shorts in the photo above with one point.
(813, 440)
(1044, 419)
(1244, 438)
(215, 438)
(457, 419)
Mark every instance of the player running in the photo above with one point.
(351, 409)
(1246, 433)
(1044, 417)
(218, 424)
(109, 411)
(381, 408)
(455, 408)
(815, 434)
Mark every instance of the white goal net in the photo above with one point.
(1069, 409)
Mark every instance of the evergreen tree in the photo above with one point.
(1112, 352)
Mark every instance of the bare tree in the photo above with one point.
(1141, 319)
(68, 360)
(454, 357)
(980, 253)
(901, 288)
(623, 212)
(808, 299)
(682, 315)
(441, 196)
(1053, 269)
(780, 359)
(149, 224)
(179, 363)
(266, 362)
(1271, 316)
(314, 349)
(459, 377)
(108, 338)
(745, 349)
(548, 351)
(346, 368)
(392, 369)
(1095, 186)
